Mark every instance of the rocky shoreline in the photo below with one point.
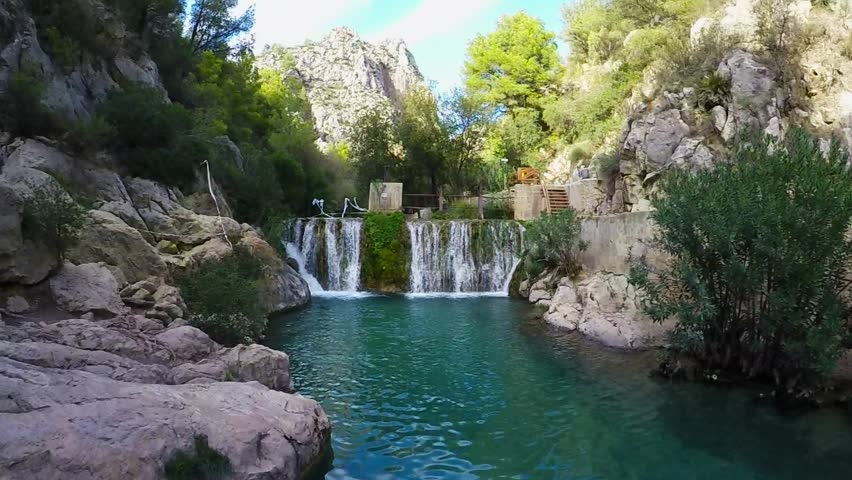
(101, 375)
(117, 398)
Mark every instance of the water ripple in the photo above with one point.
(462, 388)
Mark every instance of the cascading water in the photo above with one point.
(463, 256)
(327, 252)
(446, 256)
(426, 273)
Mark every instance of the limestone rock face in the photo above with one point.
(117, 398)
(117, 430)
(22, 260)
(345, 77)
(607, 308)
(86, 288)
(106, 238)
(74, 90)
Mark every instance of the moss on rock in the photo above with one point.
(385, 253)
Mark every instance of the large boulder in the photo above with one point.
(106, 238)
(77, 425)
(754, 101)
(187, 343)
(607, 308)
(282, 287)
(22, 260)
(86, 288)
(651, 141)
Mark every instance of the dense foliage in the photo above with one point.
(760, 260)
(384, 262)
(53, 217)
(223, 296)
(553, 242)
(23, 113)
(219, 99)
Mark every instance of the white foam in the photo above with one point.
(457, 295)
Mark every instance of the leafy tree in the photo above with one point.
(514, 66)
(53, 217)
(165, 148)
(212, 28)
(145, 17)
(424, 139)
(760, 260)
(466, 121)
(516, 138)
(374, 153)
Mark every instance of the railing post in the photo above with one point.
(440, 199)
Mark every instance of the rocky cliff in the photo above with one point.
(73, 90)
(100, 374)
(807, 83)
(345, 76)
(765, 90)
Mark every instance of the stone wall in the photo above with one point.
(529, 202)
(586, 196)
(611, 239)
(600, 302)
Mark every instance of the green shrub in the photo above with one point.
(384, 262)
(223, 297)
(62, 49)
(596, 113)
(498, 210)
(607, 165)
(459, 210)
(52, 216)
(553, 241)
(23, 113)
(760, 255)
(154, 136)
(713, 90)
(200, 463)
(90, 135)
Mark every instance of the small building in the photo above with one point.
(385, 197)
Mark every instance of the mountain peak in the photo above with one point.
(345, 76)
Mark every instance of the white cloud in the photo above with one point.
(431, 18)
(291, 22)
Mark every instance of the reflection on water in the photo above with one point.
(478, 388)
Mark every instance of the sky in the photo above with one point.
(436, 31)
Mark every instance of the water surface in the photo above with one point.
(478, 388)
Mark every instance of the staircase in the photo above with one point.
(555, 198)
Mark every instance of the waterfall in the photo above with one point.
(426, 274)
(460, 258)
(446, 256)
(463, 256)
(327, 251)
(352, 247)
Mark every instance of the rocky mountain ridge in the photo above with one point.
(345, 77)
(670, 126)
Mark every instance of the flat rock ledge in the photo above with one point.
(115, 399)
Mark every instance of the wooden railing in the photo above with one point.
(528, 176)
